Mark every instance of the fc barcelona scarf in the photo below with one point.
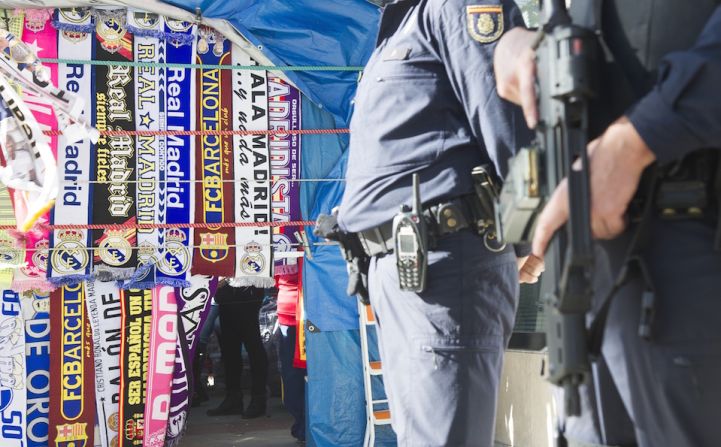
(173, 268)
(114, 194)
(70, 258)
(285, 114)
(36, 313)
(104, 312)
(12, 371)
(72, 400)
(215, 251)
(134, 351)
(150, 150)
(162, 360)
(40, 35)
(252, 173)
(193, 308)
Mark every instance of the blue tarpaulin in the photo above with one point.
(305, 32)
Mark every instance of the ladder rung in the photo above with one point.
(370, 316)
(380, 401)
(376, 367)
(382, 416)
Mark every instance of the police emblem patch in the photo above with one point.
(485, 22)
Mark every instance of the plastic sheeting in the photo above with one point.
(325, 277)
(336, 403)
(305, 32)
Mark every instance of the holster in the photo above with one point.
(357, 262)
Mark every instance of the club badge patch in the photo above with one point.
(485, 22)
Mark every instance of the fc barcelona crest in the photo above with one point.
(485, 22)
(213, 246)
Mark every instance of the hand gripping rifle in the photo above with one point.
(566, 67)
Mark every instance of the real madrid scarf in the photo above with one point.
(163, 338)
(72, 395)
(104, 312)
(12, 254)
(12, 372)
(69, 257)
(150, 150)
(193, 308)
(114, 194)
(173, 268)
(41, 37)
(215, 251)
(252, 174)
(285, 114)
(36, 313)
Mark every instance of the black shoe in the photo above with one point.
(232, 404)
(256, 408)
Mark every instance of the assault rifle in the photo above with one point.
(566, 66)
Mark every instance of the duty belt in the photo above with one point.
(465, 212)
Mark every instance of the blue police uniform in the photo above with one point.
(427, 104)
(665, 77)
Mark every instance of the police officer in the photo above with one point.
(659, 108)
(427, 104)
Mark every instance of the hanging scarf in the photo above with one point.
(214, 253)
(174, 266)
(12, 372)
(252, 174)
(193, 308)
(114, 202)
(36, 313)
(104, 310)
(70, 258)
(12, 254)
(162, 360)
(72, 394)
(150, 150)
(285, 114)
(135, 348)
(42, 38)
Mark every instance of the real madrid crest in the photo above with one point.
(114, 248)
(70, 254)
(145, 20)
(76, 17)
(485, 22)
(175, 258)
(111, 30)
(253, 261)
(10, 256)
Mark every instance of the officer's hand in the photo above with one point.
(529, 269)
(617, 160)
(514, 63)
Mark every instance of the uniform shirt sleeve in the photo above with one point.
(683, 111)
(467, 54)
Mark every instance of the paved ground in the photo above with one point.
(232, 431)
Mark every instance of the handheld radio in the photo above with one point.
(411, 243)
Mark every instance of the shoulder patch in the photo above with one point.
(485, 22)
